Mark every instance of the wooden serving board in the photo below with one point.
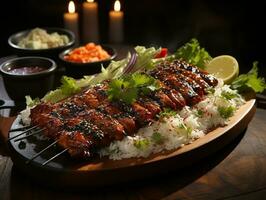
(64, 171)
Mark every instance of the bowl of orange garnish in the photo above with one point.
(87, 59)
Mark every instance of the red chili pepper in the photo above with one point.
(162, 53)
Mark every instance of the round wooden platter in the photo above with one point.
(66, 172)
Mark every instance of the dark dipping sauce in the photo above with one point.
(26, 70)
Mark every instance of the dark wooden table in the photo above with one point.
(237, 172)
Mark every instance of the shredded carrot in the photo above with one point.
(87, 53)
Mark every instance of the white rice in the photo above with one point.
(25, 116)
(171, 132)
(176, 131)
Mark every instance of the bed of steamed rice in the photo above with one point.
(175, 131)
(171, 132)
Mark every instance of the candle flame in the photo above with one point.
(117, 5)
(90, 1)
(71, 7)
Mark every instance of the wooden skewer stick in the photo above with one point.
(30, 129)
(54, 157)
(39, 153)
(26, 136)
(20, 129)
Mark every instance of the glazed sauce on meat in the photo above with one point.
(26, 70)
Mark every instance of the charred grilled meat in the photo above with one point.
(89, 120)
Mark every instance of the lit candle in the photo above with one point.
(71, 20)
(116, 16)
(90, 22)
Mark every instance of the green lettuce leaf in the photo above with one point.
(54, 96)
(71, 86)
(192, 53)
(31, 102)
(249, 81)
(145, 57)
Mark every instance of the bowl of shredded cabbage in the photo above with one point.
(48, 42)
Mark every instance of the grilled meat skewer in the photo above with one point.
(195, 80)
(179, 84)
(88, 121)
(204, 75)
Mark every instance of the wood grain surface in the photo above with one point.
(64, 172)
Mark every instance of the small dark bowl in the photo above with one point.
(50, 52)
(36, 84)
(78, 70)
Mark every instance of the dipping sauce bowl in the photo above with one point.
(32, 76)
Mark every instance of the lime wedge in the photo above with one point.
(224, 67)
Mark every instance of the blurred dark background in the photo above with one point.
(222, 27)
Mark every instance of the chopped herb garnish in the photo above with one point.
(199, 113)
(141, 143)
(210, 90)
(129, 87)
(187, 129)
(226, 112)
(113, 151)
(182, 126)
(167, 112)
(157, 137)
(228, 95)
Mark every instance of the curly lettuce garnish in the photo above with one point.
(71, 86)
(249, 81)
(192, 53)
(167, 112)
(145, 58)
(31, 102)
